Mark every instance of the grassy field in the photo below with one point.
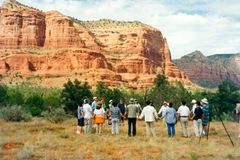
(41, 139)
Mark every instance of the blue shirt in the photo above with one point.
(170, 114)
(94, 105)
(122, 107)
(79, 112)
(115, 112)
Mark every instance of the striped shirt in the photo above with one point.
(206, 114)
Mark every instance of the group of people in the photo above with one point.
(94, 116)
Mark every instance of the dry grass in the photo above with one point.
(43, 140)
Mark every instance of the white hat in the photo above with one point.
(110, 101)
(94, 97)
(194, 101)
(131, 100)
(204, 100)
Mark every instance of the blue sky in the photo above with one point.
(211, 26)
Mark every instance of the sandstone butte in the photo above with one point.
(55, 48)
(211, 70)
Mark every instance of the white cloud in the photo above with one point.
(212, 26)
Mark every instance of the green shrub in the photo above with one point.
(55, 115)
(52, 100)
(34, 104)
(14, 113)
(73, 94)
(15, 98)
(3, 94)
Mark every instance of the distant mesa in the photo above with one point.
(57, 47)
(209, 71)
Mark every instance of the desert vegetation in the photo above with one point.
(36, 101)
(39, 123)
(40, 139)
(106, 23)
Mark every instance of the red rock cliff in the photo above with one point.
(21, 27)
(119, 53)
(210, 71)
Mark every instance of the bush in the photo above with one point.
(15, 98)
(26, 152)
(73, 94)
(52, 100)
(14, 113)
(3, 95)
(55, 115)
(34, 104)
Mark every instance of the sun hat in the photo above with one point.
(204, 100)
(110, 101)
(194, 101)
(94, 98)
(165, 102)
(85, 101)
(131, 100)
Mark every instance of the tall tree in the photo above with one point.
(73, 94)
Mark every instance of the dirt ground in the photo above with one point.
(43, 140)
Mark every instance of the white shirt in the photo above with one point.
(150, 113)
(194, 107)
(163, 110)
(139, 107)
(238, 108)
(183, 111)
(87, 110)
(99, 112)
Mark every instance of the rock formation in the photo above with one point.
(45, 44)
(210, 71)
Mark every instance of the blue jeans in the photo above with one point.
(171, 130)
(115, 126)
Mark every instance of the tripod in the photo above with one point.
(216, 111)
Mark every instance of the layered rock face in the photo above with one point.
(46, 44)
(20, 27)
(210, 71)
(61, 63)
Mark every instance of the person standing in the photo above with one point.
(110, 104)
(183, 114)
(87, 110)
(115, 114)
(138, 105)
(162, 112)
(194, 103)
(122, 108)
(171, 119)
(150, 115)
(94, 103)
(80, 119)
(206, 116)
(132, 114)
(197, 119)
(99, 113)
(238, 116)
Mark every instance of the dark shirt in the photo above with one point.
(121, 107)
(198, 113)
